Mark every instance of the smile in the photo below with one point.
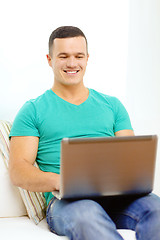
(71, 72)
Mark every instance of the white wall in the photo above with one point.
(143, 78)
(25, 29)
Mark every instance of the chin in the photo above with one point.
(71, 82)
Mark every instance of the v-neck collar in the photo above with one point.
(61, 99)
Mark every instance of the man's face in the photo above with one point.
(69, 60)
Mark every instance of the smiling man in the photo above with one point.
(69, 109)
(68, 58)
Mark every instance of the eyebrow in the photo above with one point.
(64, 53)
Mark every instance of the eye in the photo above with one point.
(63, 57)
(80, 56)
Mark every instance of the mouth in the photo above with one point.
(71, 72)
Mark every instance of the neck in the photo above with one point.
(75, 94)
(68, 91)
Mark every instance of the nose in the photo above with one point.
(71, 62)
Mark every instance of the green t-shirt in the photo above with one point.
(51, 118)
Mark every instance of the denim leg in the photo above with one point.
(141, 215)
(80, 220)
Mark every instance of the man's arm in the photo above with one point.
(122, 133)
(23, 151)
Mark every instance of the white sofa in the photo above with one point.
(14, 221)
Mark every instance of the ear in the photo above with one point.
(87, 57)
(49, 59)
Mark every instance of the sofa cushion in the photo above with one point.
(34, 202)
(11, 204)
(22, 228)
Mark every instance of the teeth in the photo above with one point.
(71, 72)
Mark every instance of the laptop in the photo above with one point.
(107, 166)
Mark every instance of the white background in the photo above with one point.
(25, 30)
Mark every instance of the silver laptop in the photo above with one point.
(107, 166)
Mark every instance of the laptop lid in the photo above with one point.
(107, 166)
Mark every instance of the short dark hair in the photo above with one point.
(65, 32)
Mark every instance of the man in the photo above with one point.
(70, 109)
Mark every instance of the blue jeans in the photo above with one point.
(99, 218)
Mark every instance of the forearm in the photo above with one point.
(29, 177)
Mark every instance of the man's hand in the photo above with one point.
(124, 133)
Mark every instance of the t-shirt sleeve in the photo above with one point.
(122, 120)
(25, 123)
